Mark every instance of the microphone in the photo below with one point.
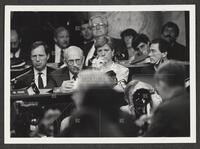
(23, 74)
(14, 80)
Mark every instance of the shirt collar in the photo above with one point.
(57, 47)
(44, 71)
(71, 75)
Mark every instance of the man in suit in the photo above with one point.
(39, 72)
(99, 26)
(62, 40)
(172, 117)
(86, 33)
(64, 78)
(170, 32)
(16, 52)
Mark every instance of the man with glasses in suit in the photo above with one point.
(64, 78)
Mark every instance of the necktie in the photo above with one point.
(40, 81)
(75, 77)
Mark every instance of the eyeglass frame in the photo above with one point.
(71, 62)
(94, 26)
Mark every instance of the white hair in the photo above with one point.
(72, 48)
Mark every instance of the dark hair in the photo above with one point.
(172, 73)
(84, 21)
(171, 25)
(111, 73)
(139, 39)
(163, 46)
(40, 43)
(140, 99)
(128, 32)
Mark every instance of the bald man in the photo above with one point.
(64, 78)
(16, 51)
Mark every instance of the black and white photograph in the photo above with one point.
(100, 74)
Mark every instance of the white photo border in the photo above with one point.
(98, 8)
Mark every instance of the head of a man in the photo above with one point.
(74, 59)
(39, 55)
(86, 30)
(99, 26)
(141, 43)
(170, 32)
(15, 40)
(89, 79)
(158, 50)
(170, 77)
(61, 37)
(128, 36)
(106, 51)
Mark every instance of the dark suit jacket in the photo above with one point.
(178, 52)
(172, 118)
(26, 80)
(58, 76)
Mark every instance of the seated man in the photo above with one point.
(141, 43)
(62, 41)
(158, 52)
(64, 78)
(170, 32)
(39, 72)
(104, 62)
(86, 33)
(18, 56)
(16, 50)
(172, 117)
(99, 26)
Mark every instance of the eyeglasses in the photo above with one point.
(71, 62)
(99, 25)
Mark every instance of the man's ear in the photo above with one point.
(83, 60)
(113, 53)
(164, 54)
(48, 55)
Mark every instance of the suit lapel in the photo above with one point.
(30, 77)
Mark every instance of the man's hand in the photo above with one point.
(67, 86)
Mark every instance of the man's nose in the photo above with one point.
(103, 54)
(75, 64)
(37, 58)
(98, 27)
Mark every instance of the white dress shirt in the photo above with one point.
(16, 54)
(57, 54)
(43, 76)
